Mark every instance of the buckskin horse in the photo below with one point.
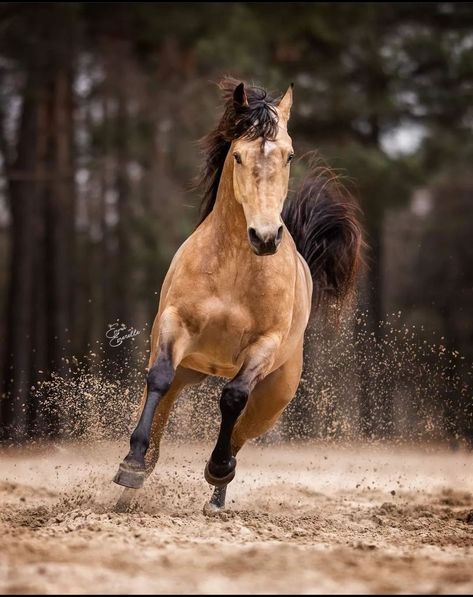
(237, 298)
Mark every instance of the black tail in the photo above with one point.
(322, 219)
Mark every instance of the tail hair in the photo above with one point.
(323, 221)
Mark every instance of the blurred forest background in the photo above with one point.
(101, 106)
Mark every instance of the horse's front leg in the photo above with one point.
(220, 469)
(132, 470)
(169, 340)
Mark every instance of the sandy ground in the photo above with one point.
(306, 519)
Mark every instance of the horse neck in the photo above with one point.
(228, 218)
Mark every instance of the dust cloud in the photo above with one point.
(320, 505)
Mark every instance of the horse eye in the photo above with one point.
(290, 157)
(237, 157)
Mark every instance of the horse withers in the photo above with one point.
(237, 298)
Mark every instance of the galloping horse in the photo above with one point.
(237, 298)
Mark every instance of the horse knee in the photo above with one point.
(160, 376)
(233, 400)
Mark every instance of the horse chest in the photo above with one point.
(223, 331)
(224, 322)
(227, 309)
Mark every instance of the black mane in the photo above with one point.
(258, 119)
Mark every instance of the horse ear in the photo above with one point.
(239, 96)
(284, 106)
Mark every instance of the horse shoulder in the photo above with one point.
(181, 278)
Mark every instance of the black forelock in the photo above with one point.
(259, 118)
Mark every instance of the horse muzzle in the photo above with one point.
(265, 244)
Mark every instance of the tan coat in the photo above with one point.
(223, 308)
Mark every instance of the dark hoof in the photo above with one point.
(130, 476)
(212, 479)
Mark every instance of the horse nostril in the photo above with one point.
(253, 236)
(279, 234)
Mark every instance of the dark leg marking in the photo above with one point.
(220, 469)
(131, 472)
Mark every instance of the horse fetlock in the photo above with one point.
(139, 444)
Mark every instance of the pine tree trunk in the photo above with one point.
(41, 192)
(24, 187)
(59, 209)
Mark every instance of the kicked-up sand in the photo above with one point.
(309, 518)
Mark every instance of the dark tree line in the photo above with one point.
(100, 105)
